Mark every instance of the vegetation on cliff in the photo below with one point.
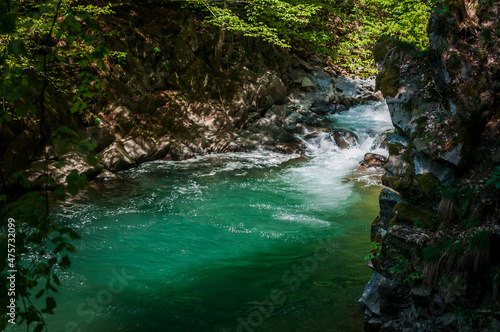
(442, 224)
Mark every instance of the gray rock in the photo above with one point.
(387, 201)
(370, 300)
(74, 161)
(162, 147)
(279, 110)
(396, 165)
(424, 164)
(395, 138)
(306, 65)
(179, 151)
(420, 145)
(400, 117)
(381, 141)
(116, 158)
(295, 117)
(454, 156)
(306, 82)
(101, 137)
(139, 149)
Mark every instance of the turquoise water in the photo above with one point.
(236, 242)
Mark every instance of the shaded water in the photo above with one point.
(243, 241)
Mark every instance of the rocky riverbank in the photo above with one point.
(173, 102)
(435, 241)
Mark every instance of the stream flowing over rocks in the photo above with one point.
(269, 115)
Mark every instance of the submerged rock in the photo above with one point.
(344, 138)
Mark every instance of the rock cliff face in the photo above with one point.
(435, 241)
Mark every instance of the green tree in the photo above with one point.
(42, 45)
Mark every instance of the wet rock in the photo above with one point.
(105, 175)
(382, 141)
(344, 139)
(179, 151)
(372, 160)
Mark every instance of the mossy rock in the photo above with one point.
(388, 81)
(407, 213)
(397, 183)
(429, 185)
(395, 148)
(381, 48)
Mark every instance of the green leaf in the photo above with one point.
(50, 305)
(85, 146)
(76, 182)
(100, 65)
(39, 294)
(56, 279)
(93, 159)
(87, 94)
(23, 180)
(65, 262)
(78, 106)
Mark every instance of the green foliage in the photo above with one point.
(403, 20)
(274, 21)
(400, 265)
(462, 196)
(472, 317)
(374, 251)
(47, 49)
(413, 277)
(494, 181)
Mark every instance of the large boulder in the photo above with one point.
(116, 157)
(58, 170)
